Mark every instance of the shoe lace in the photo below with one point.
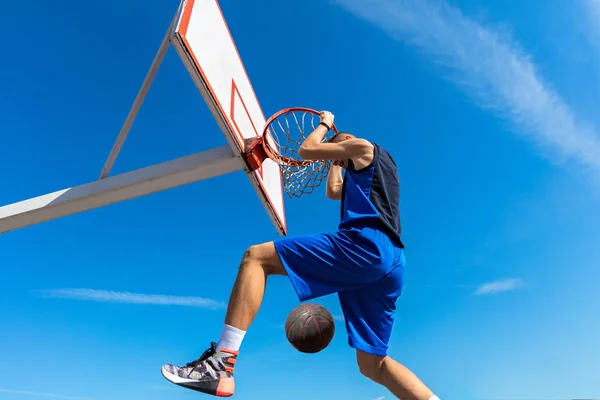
(212, 350)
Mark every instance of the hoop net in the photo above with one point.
(283, 135)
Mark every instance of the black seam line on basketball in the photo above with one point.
(319, 331)
(305, 322)
(304, 326)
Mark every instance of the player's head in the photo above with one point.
(340, 137)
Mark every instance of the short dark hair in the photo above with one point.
(338, 135)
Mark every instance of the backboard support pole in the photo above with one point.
(118, 188)
(137, 103)
(242, 118)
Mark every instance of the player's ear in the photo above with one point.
(341, 136)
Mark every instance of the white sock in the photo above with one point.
(231, 338)
(434, 397)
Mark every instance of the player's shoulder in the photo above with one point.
(363, 144)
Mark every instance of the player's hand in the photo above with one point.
(327, 118)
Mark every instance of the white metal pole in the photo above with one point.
(137, 104)
(114, 189)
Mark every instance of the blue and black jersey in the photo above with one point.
(372, 194)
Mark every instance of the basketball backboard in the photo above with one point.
(203, 41)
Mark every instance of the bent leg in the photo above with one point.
(394, 376)
(212, 373)
(369, 312)
(317, 265)
(258, 262)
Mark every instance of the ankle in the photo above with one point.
(231, 338)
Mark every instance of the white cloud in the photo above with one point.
(499, 286)
(592, 10)
(592, 7)
(38, 394)
(379, 398)
(108, 296)
(490, 67)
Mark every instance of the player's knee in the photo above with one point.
(252, 258)
(252, 254)
(263, 256)
(370, 365)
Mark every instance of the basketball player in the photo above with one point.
(363, 262)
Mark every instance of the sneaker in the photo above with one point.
(212, 373)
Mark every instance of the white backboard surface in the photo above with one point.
(205, 45)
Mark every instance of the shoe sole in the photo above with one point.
(192, 384)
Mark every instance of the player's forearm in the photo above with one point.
(335, 182)
(312, 142)
(315, 136)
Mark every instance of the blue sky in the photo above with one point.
(490, 109)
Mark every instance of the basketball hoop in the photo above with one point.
(280, 141)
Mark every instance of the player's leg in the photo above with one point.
(398, 379)
(317, 265)
(369, 315)
(257, 264)
(212, 373)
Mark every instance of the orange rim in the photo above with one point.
(274, 153)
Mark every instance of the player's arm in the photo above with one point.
(335, 181)
(313, 147)
(351, 148)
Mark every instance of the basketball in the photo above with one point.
(309, 328)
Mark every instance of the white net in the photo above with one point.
(284, 136)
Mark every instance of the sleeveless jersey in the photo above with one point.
(371, 196)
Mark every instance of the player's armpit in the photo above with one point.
(335, 183)
(350, 148)
(334, 194)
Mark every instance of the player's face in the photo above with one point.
(342, 163)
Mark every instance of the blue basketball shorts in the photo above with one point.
(363, 266)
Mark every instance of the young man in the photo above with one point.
(363, 262)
